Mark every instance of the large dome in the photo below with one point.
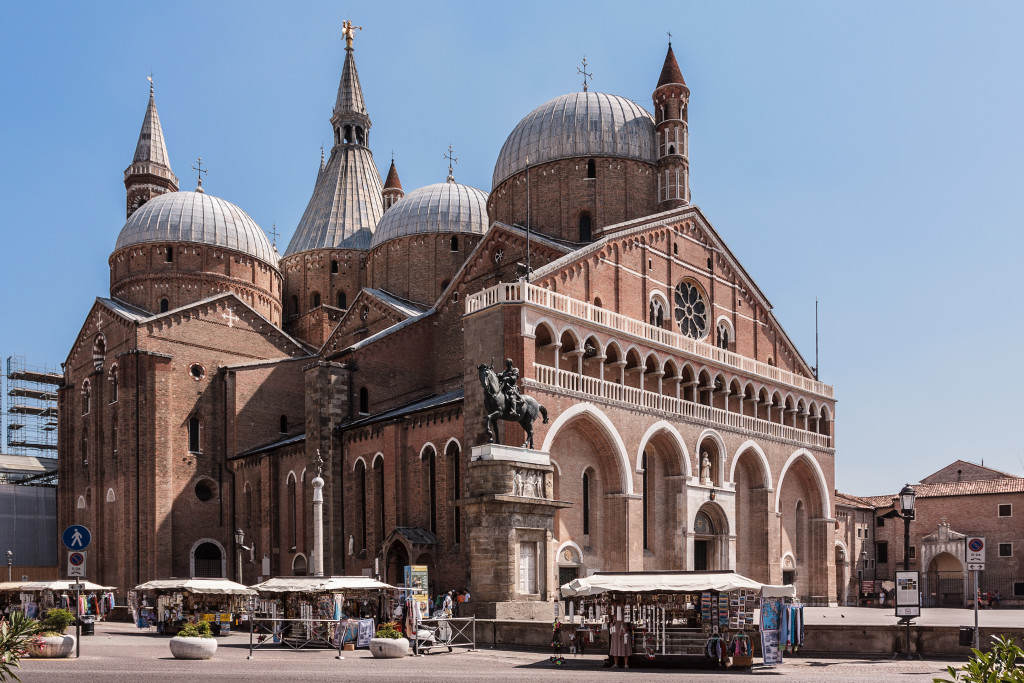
(581, 124)
(196, 217)
(442, 207)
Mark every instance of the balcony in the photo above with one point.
(523, 293)
(567, 382)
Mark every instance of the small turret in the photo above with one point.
(150, 173)
(392, 187)
(671, 101)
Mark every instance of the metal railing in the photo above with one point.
(275, 633)
(547, 377)
(447, 632)
(521, 292)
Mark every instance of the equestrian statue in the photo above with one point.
(502, 401)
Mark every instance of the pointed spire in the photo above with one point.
(151, 145)
(393, 183)
(350, 93)
(670, 72)
(150, 173)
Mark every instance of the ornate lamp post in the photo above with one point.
(907, 496)
(239, 539)
(864, 572)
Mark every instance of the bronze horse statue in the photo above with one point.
(498, 407)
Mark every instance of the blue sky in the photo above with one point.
(867, 154)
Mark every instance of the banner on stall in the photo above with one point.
(770, 650)
(366, 630)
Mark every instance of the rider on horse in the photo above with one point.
(509, 382)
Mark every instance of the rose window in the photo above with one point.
(691, 310)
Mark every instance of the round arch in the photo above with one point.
(723, 454)
(606, 426)
(562, 547)
(752, 446)
(192, 556)
(673, 435)
(819, 477)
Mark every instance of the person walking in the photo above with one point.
(618, 640)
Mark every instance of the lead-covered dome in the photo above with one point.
(442, 207)
(582, 124)
(200, 218)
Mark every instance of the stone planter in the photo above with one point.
(193, 648)
(389, 648)
(52, 647)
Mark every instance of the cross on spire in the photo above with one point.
(451, 160)
(583, 70)
(198, 168)
(670, 38)
(273, 235)
(348, 29)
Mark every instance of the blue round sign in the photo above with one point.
(76, 537)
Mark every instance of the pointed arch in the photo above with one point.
(673, 435)
(609, 430)
(754, 448)
(819, 478)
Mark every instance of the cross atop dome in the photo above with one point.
(451, 160)
(582, 69)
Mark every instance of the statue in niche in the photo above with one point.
(705, 468)
(351, 544)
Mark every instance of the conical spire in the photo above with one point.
(670, 72)
(392, 183)
(350, 93)
(150, 173)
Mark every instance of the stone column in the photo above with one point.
(318, 526)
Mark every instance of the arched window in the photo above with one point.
(378, 472)
(586, 503)
(169, 255)
(165, 305)
(113, 433)
(657, 313)
(193, 435)
(347, 138)
(295, 304)
(284, 424)
(671, 149)
(585, 231)
(293, 507)
(364, 400)
(334, 266)
(361, 490)
(342, 300)
(455, 243)
(430, 459)
(646, 500)
(452, 454)
(591, 169)
(299, 566)
(113, 383)
(316, 299)
(86, 398)
(722, 336)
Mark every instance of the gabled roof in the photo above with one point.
(266, 448)
(962, 470)
(401, 308)
(409, 408)
(852, 501)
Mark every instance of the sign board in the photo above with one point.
(76, 537)
(76, 564)
(974, 548)
(908, 594)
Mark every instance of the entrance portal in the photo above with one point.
(700, 555)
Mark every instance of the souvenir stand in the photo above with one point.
(318, 611)
(781, 623)
(93, 599)
(704, 617)
(10, 596)
(169, 604)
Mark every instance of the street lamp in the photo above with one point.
(907, 496)
(239, 538)
(864, 572)
(10, 563)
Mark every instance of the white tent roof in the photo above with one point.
(197, 586)
(669, 582)
(12, 585)
(787, 591)
(62, 586)
(319, 584)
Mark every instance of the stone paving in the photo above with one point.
(120, 652)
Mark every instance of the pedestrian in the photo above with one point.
(618, 639)
(995, 599)
(459, 599)
(446, 605)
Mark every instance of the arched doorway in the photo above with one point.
(752, 508)
(805, 533)
(397, 559)
(710, 539)
(944, 582)
(208, 560)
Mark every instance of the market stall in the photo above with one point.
(318, 611)
(89, 599)
(169, 604)
(705, 616)
(10, 596)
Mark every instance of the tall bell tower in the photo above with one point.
(150, 173)
(671, 102)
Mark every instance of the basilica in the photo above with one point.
(681, 428)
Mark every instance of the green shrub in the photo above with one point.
(389, 629)
(57, 621)
(1001, 664)
(16, 632)
(197, 630)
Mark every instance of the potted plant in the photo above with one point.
(52, 643)
(194, 641)
(17, 632)
(388, 642)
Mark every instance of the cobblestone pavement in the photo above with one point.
(119, 652)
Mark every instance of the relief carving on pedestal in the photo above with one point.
(528, 483)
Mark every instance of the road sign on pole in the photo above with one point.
(974, 552)
(76, 537)
(76, 563)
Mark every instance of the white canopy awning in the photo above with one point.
(63, 586)
(197, 586)
(12, 585)
(320, 584)
(653, 582)
(788, 591)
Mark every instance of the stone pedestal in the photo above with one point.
(509, 515)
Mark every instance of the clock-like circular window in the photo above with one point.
(691, 310)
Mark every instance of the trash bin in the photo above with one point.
(967, 636)
(88, 624)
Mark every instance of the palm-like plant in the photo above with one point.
(16, 632)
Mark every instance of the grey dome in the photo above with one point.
(442, 207)
(579, 124)
(196, 217)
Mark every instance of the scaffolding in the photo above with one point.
(31, 408)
